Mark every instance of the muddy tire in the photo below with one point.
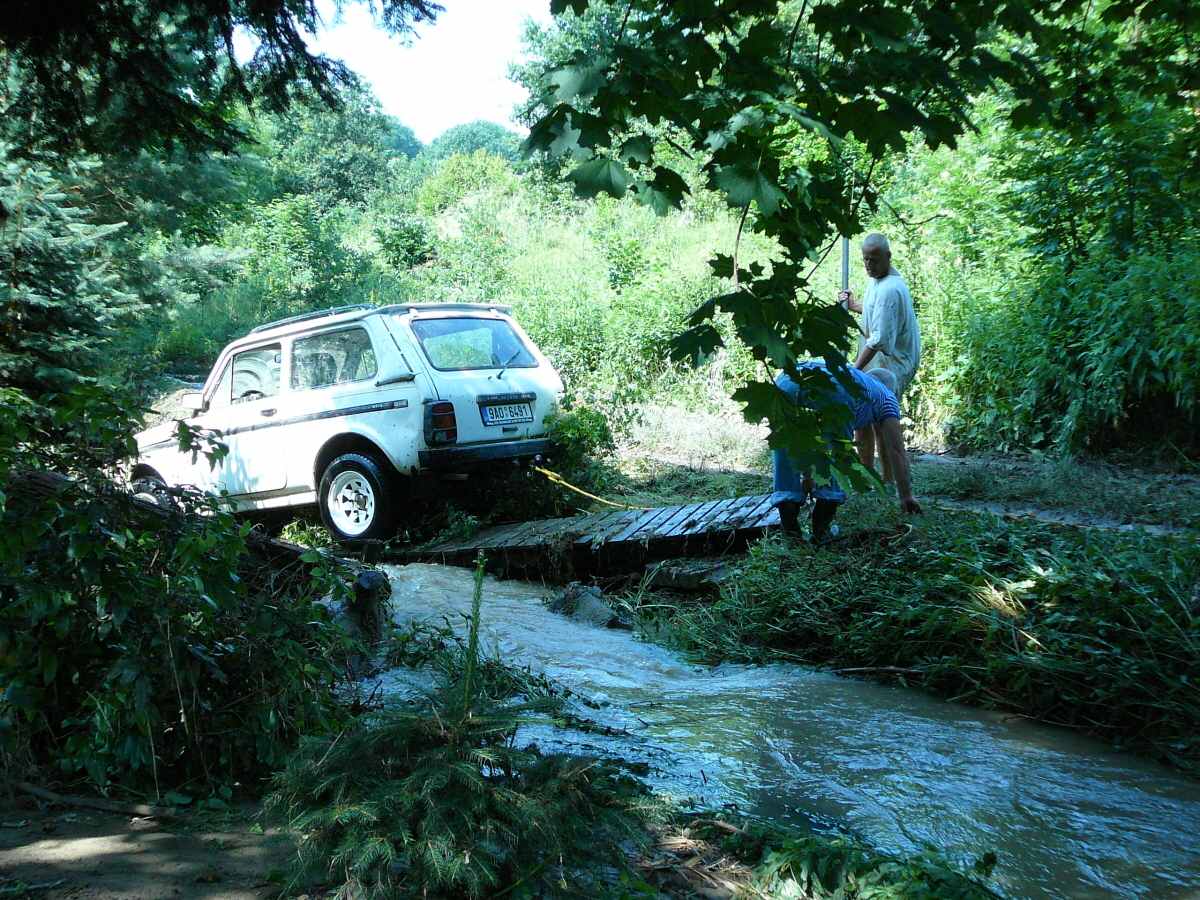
(358, 498)
(153, 490)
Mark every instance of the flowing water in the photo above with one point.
(1066, 816)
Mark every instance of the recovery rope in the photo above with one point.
(558, 479)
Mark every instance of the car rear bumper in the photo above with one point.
(461, 458)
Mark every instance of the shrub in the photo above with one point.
(405, 240)
(148, 652)
(582, 436)
(461, 175)
(438, 801)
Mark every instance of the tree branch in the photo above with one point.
(127, 809)
(737, 243)
(795, 31)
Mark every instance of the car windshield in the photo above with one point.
(461, 343)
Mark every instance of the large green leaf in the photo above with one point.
(601, 176)
(577, 81)
(744, 185)
(638, 148)
(664, 192)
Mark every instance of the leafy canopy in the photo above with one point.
(128, 74)
(788, 107)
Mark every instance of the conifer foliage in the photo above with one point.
(439, 800)
(59, 298)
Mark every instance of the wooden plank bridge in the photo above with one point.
(617, 540)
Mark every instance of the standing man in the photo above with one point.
(891, 339)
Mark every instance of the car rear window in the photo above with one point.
(334, 357)
(460, 343)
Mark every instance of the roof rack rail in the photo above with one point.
(434, 306)
(304, 317)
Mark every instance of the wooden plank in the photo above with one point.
(615, 527)
(615, 522)
(770, 520)
(602, 522)
(641, 524)
(732, 515)
(748, 515)
(758, 517)
(692, 515)
(717, 521)
(664, 527)
(723, 530)
(539, 532)
(492, 537)
(705, 519)
(686, 514)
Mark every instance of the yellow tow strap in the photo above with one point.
(558, 479)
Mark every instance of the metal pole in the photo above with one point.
(845, 264)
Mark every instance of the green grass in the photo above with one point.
(1093, 630)
(786, 863)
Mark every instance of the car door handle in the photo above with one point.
(267, 412)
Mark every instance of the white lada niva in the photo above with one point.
(339, 407)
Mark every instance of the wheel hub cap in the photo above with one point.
(351, 503)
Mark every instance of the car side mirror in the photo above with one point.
(193, 402)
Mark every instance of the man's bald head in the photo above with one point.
(875, 239)
(876, 255)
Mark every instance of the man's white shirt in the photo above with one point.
(890, 324)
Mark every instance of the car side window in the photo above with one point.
(222, 396)
(335, 357)
(256, 373)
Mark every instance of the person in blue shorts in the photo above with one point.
(872, 405)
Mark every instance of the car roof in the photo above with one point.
(341, 314)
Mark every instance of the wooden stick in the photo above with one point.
(726, 826)
(131, 809)
(894, 670)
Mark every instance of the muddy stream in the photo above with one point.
(1066, 816)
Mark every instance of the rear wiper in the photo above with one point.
(504, 367)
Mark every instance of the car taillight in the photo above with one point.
(440, 425)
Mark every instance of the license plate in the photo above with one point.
(507, 413)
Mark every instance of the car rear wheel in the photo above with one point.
(357, 498)
(152, 489)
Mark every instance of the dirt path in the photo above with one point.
(1050, 516)
(86, 855)
(1010, 509)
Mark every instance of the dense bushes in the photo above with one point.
(151, 654)
(1056, 280)
(1100, 357)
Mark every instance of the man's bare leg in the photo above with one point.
(864, 440)
(885, 459)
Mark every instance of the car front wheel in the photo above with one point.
(357, 498)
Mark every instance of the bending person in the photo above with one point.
(873, 408)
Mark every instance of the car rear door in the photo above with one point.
(502, 388)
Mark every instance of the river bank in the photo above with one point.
(1087, 629)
